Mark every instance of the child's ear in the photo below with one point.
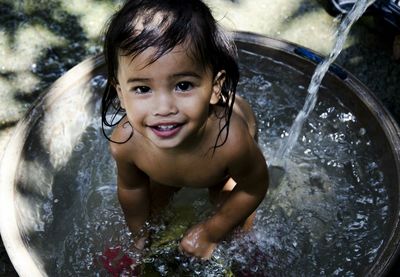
(217, 87)
(120, 96)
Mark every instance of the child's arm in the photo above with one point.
(133, 195)
(249, 170)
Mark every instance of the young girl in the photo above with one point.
(173, 74)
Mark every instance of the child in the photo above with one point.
(173, 74)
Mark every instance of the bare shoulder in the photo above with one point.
(124, 153)
(239, 136)
(244, 110)
(241, 149)
(121, 146)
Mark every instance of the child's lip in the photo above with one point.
(166, 129)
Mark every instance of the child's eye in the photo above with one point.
(141, 89)
(183, 86)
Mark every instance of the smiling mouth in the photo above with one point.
(166, 130)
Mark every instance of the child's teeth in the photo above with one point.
(166, 127)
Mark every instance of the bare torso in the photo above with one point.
(196, 167)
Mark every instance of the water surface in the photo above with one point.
(327, 216)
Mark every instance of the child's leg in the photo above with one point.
(244, 110)
(219, 193)
(161, 196)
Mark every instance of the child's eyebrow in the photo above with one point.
(186, 74)
(132, 80)
(176, 75)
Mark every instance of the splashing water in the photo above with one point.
(356, 12)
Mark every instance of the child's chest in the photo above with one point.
(185, 172)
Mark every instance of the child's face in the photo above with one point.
(167, 101)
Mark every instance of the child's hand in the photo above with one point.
(198, 243)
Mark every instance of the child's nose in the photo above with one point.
(165, 105)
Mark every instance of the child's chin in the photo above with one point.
(166, 143)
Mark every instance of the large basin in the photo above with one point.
(37, 161)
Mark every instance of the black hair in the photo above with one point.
(166, 24)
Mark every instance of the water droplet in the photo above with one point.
(324, 115)
(362, 131)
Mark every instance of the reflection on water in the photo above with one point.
(327, 216)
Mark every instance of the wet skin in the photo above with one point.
(170, 107)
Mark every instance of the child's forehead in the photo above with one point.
(180, 54)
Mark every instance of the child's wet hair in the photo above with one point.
(164, 24)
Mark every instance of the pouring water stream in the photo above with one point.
(278, 161)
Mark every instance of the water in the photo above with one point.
(323, 202)
(344, 27)
(328, 216)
